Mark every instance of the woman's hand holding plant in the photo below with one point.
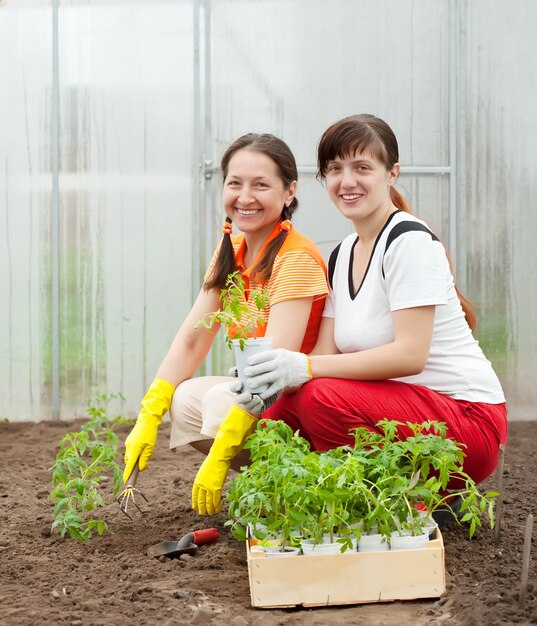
(279, 369)
(250, 403)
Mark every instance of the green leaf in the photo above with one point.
(99, 524)
(80, 486)
(60, 506)
(59, 473)
(73, 518)
(79, 533)
(473, 527)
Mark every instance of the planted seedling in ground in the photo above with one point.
(86, 459)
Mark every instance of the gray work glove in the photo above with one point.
(251, 403)
(279, 369)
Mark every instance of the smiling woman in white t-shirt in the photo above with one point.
(396, 338)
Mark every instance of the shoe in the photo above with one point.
(450, 513)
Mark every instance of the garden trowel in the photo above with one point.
(186, 545)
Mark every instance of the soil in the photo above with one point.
(45, 579)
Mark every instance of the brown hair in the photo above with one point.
(359, 133)
(365, 132)
(280, 153)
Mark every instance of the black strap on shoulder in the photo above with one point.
(398, 230)
(402, 228)
(332, 264)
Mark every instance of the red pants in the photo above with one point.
(325, 409)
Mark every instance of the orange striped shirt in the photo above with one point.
(298, 272)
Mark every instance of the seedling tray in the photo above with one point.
(348, 578)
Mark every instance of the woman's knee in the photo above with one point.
(215, 406)
(186, 402)
(218, 399)
(311, 393)
(186, 411)
(322, 396)
(320, 413)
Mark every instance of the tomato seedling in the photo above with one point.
(85, 460)
(242, 311)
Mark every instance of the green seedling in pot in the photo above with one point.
(381, 484)
(240, 320)
(407, 475)
(267, 496)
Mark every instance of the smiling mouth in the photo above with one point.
(351, 196)
(247, 211)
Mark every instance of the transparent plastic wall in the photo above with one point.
(292, 68)
(443, 75)
(25, 192)
(140, 121)
(124, 189)
(501, 195)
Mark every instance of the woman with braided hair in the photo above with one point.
(259, 197)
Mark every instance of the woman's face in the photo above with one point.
(254, 194)
(359, 185)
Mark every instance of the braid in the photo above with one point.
(263, 269)
(225, 262)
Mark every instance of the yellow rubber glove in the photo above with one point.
(229, 441)
(140, 443)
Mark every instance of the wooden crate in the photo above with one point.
(348, 578)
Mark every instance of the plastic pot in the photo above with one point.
(251, 347)
(326, 547)
(409, 542)
(373, 543)
(430, 528)
(276, 551)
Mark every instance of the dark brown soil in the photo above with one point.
(109, 580)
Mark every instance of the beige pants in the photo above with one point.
(198, 408)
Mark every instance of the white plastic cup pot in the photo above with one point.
(251, 347)
(272, 551)
(373, 543)
(409, 542)
(430, 528)
(309, 547)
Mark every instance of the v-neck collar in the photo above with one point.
(241, 251)
(353, 293)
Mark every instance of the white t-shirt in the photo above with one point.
(412, 271)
